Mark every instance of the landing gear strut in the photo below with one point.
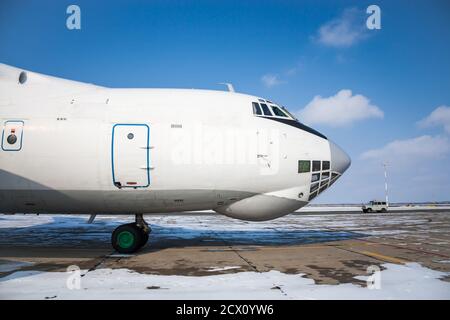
(129, 238)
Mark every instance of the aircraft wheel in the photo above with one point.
(127, 238)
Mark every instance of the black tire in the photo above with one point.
(365, 210)
(144, 239)
(369, 210)
(383, 210)
(127, 238)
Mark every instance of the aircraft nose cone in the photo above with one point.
(340, 161)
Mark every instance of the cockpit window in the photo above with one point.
(265, 109)
(290, 114)
(277, 111)
(316, 165)
(304, 166)
(256, 108)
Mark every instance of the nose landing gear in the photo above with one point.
(129, 238)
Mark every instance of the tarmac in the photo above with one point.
(328, 247)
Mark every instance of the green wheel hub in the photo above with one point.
(125, 239)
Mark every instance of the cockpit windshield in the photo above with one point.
(278, 112)
(267, 108)
(290, 114)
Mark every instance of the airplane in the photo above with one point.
(69, 147)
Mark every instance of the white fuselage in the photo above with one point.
(87, 149)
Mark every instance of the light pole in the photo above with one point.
(385, 183)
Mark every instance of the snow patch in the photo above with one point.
(222, 269)
(23, 221)
(442, 261)
(409, 281)
(8, 266)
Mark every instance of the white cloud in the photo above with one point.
(343, 31)
(292, 71)
(417, 171)
(339, 110)
(271, 80)
(439, 117)
(411, 150)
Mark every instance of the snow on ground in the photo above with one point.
(22, 221)
(292, 229)
(410, 281)
(352, 208)
(8, 266)
(69, 230)
(215, 269)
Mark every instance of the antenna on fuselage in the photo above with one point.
(229, 86)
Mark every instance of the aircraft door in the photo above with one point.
(12, 135)
(130, 155)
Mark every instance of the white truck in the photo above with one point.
(375, 206)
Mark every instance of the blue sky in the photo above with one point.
(287, 51)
